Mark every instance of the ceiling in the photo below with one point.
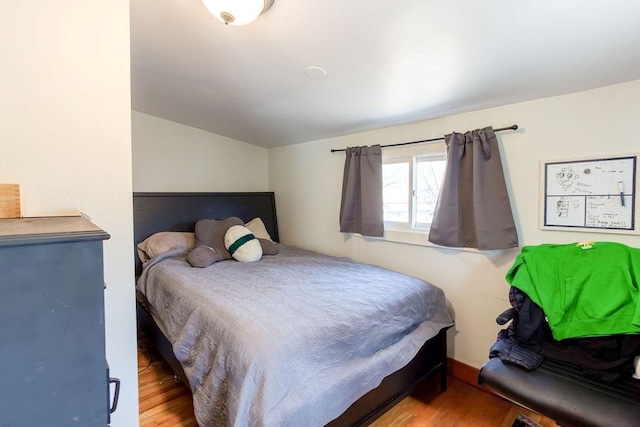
(388, 62)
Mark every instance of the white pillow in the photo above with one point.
(256, 226)
(163, 241)
(242, 244)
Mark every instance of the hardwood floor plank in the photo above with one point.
(166, 403)
(162, 400)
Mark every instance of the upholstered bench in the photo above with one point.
(560, 391)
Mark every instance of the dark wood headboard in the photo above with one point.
(154, 212)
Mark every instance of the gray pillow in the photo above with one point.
(203, 256)
(268, 247)
(210, 232)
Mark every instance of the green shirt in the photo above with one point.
(583, 292)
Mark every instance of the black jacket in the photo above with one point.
(528, 339)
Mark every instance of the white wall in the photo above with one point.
(169, 156)
(307, 182)
(65, 137)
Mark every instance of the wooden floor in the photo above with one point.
(165, 402)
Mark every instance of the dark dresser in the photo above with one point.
(53, 369)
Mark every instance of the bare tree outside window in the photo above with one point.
(411, 186)
(429, 175)
(395, 191)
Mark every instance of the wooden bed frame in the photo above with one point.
(154, 212)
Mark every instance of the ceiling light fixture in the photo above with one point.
(237, 12)
(315, 72)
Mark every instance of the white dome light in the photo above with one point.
(237, 12)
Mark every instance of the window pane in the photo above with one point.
(395, 192)
(429, 175)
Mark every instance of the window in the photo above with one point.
(396, 190)
(411, 186)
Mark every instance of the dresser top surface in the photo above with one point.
(44, 228)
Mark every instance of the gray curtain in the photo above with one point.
(473, 208)
(361, 206)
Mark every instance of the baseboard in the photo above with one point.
(465, 373)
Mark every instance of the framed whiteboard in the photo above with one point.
(590, 194)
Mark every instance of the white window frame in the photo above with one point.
(399, 225)
(412, 160)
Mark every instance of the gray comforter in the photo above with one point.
(291, 340)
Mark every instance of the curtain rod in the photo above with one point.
(513, 127)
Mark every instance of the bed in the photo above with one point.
(251, 348)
